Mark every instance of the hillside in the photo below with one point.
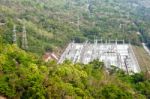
(52, 24)
(24, 76)
(49, 26)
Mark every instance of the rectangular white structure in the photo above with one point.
(120, 55)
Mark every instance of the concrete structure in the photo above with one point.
(110, 52)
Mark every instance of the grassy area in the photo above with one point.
(142, 57)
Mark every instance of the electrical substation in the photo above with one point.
(111, 53)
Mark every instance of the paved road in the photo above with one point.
(146, 48)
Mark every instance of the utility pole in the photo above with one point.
(126, 65)
(24, 39)
(123, 41)
(89, 7)
(78, 22)
(101, 40)
(106, 42)
(69, 4)
(14, 35)
(116, 41)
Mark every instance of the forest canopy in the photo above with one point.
(23, 75)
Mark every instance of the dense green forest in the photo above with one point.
(23, 75)
(51, 24)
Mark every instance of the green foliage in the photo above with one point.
(114, 92)
(144, 88)
(52, 24)
(23, 76)
(5, 87)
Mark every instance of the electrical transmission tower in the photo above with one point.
(14, 35)
(24, 38)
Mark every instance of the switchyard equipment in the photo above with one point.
(116, 54)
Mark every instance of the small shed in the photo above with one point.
(48, 56)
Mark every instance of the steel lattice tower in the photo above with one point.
(14, 35)
(24, 39)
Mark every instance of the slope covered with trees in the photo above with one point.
(23, 75)
(52, 24)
